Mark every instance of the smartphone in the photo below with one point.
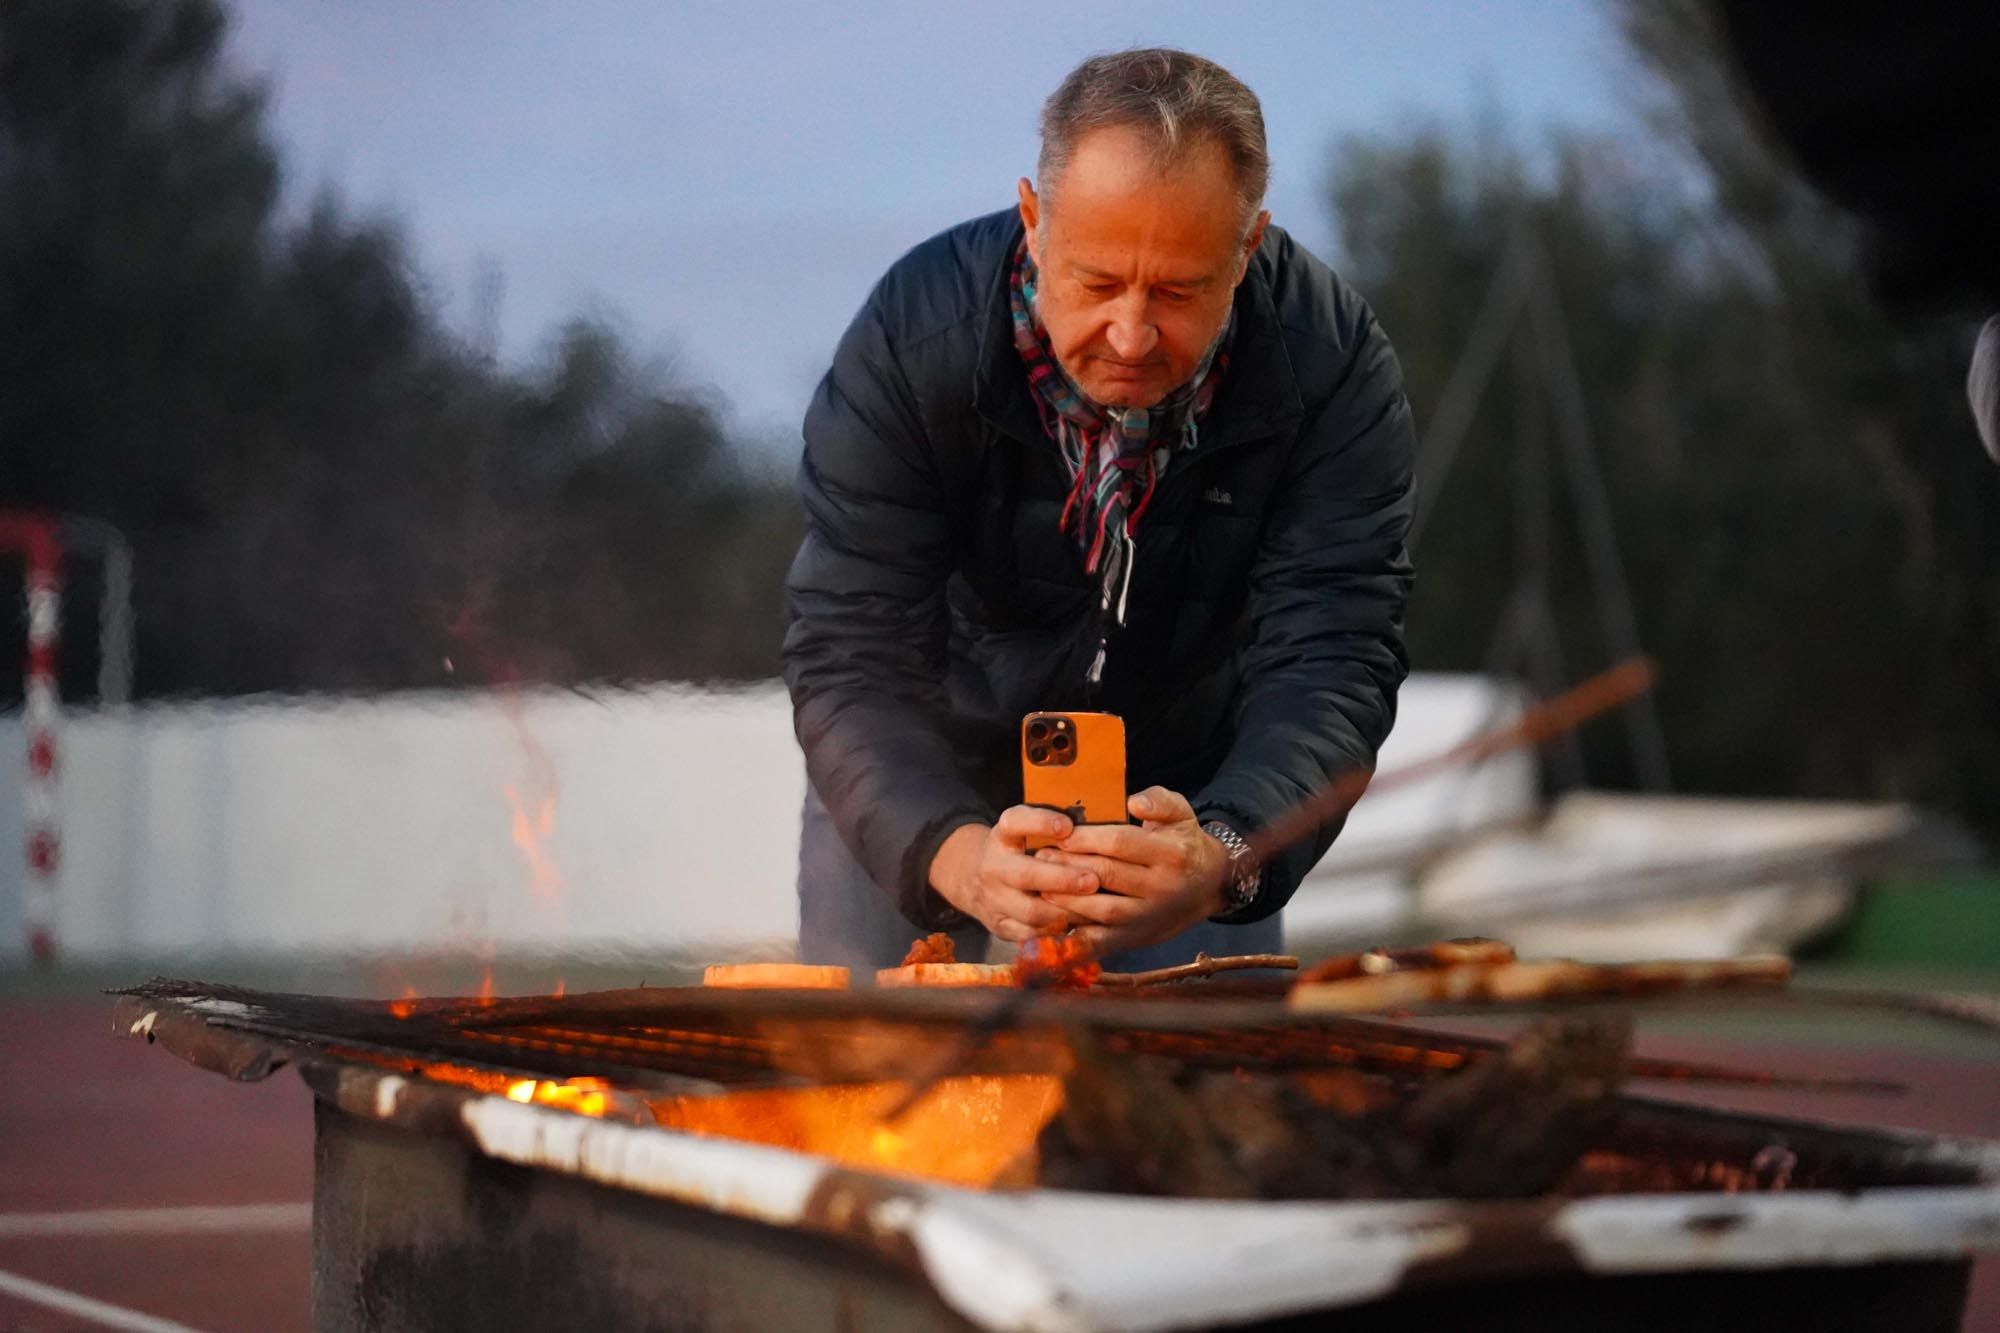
(1075, 763)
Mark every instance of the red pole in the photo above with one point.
(34, 536)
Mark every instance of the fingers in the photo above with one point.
(1142, 881)
(1035, 874)
(1108, 909)
(1020, 911)
(1019, 823)
(1010, 930)
(1121, 842)
(1158, 805)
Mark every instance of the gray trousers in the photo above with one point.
(845, 918)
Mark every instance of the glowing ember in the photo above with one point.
(1060, 962)
(975, 1130)
(585, 1096)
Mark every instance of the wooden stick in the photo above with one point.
(1547, 979)
(1541, 722)
(1202, 966)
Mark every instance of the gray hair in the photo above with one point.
(1176, 100)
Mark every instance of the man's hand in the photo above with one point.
(988, 873)
(1160, 877)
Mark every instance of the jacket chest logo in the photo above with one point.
(1215, 495)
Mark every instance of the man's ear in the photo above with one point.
(1252, 241)
(1031, 215)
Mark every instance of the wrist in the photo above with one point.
(956, 862)
(1241, 877)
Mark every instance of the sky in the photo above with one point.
(725, 181)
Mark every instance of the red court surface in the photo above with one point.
(89, 1123)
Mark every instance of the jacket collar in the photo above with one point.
(1259, 396)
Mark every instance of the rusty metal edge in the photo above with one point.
(1047, 1261)
(238, 1055)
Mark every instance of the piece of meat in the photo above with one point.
(933, 948)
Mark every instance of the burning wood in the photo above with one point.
(1056, 962)
(1507, 1127)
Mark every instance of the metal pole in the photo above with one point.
(114, 617)
(1600, 540)
(1462, 392)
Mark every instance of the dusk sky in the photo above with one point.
(725, 181)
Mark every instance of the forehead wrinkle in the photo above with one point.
(1092, 271)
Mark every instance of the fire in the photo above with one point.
(1062, 962)
(974, 1130)
(486, 985)
(530, 831)
(585, 1096)
(406, 1006)
(557, 993)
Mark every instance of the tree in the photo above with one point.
(324, 490)
(1804, 514)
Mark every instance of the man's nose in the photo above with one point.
(1132, 335)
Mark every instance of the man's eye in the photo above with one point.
(1100, 288)
(1175, 298)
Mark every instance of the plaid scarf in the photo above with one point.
(1115, 456)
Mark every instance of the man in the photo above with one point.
(1127, 448)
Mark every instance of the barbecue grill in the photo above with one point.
(689, 1159)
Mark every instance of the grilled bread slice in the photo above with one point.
(775, 976)
(947, 974)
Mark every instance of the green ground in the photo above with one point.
(1933, 921)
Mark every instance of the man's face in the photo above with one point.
(1138, 264)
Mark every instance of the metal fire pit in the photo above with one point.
(439, 1204)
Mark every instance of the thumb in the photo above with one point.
(1158, 805)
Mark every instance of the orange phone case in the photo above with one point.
(1075, 763)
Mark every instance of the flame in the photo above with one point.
(1062, 962)
(977, 1131)
(585, 1096)
(530, 832)
(973, 1130)
(486, 986)
(557, 993)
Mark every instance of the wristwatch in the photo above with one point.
(1240, 884)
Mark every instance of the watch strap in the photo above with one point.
(1240, 884)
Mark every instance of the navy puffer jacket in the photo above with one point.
(934, 600)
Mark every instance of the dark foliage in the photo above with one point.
(1805, 515)
(325, 491)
